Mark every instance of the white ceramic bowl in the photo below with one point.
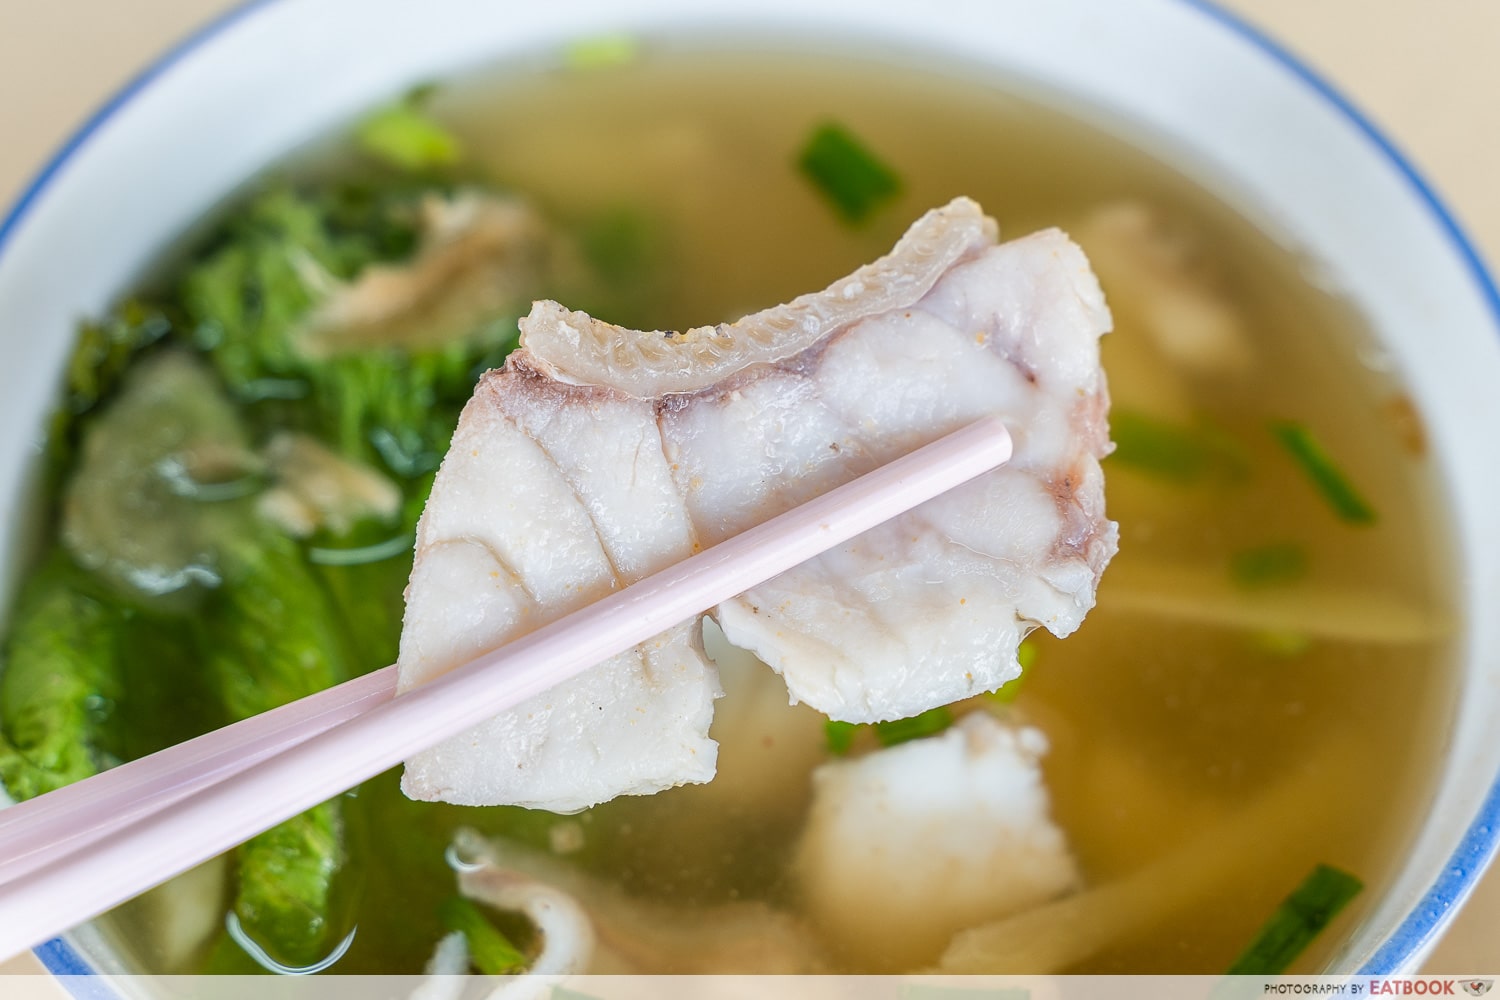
(1220, 101)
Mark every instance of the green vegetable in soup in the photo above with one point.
(247, 295)
(365, 573)
(849, 175)
(332, 298)
(284, 899)
(159, 504)
(166, 697)
(275, 636)
(928, 723)
(137, 513)
(1324, 474)
(404, 136)
(60, 685)
(1300, 918)
(103, 352)
(270, 637)
(140, 509)
(490, 951)
(1175, 452)
(400, 408)
(275, 259)
(840, 736)
(368, 600)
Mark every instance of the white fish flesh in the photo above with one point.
(599, 454)
(910, 844)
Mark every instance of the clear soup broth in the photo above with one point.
(1262, 685)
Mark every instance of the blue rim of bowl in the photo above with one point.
(1480, 841)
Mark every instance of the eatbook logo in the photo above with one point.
(1477, 987)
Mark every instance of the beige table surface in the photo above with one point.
(1427, 70)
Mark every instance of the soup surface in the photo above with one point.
(1257, 692)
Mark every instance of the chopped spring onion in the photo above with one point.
(847, 173)
(1309, 909)
(489, 951)
(602, 53)
(840, 736)
(1268, 565)
(1177, 452)
(929, 723)
(1320, 469)
(406, 137)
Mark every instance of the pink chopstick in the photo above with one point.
(40, 830)
(324, 752)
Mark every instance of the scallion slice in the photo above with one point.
(1177, 452)
(1322, 472)
(929, 723)
(840, 736)
(406, 137)
(845, 170)
(1301, 916)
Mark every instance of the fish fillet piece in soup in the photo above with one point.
(599, 454)
(908, 845)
